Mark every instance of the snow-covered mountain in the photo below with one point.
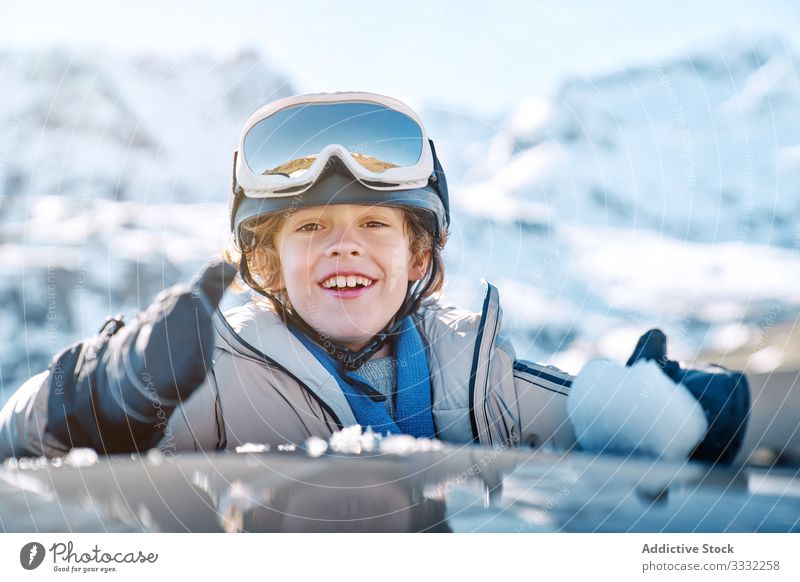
(133, 128)
(462, 140)
(665, 194)
(701, 148)
(114, 176)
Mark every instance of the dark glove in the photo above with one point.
(115, 393)
(723, 394)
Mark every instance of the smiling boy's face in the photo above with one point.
(346, 268)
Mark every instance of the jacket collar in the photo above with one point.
(262, 332)
(256, 331)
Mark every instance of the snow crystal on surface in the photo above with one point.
(81, 458)
(618, 409)
(404, 444)
(155, 457)
(316, 446)
(252, 448)
(26, 463)
(354, 440)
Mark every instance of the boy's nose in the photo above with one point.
(343, 243)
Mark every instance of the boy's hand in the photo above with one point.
(115, 393)
(723, 394)
(654, 407)
(634, 410)
(213, 279)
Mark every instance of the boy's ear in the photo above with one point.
(419, 266)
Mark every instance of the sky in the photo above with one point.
(476, 55)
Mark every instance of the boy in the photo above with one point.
(339, 212)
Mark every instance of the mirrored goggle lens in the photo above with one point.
(289, 141)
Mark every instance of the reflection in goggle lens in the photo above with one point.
(289, 141)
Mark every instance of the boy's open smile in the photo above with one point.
(346, 268)
(347, 284)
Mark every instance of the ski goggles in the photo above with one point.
(286, 145)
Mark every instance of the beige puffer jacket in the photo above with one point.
(264, 386)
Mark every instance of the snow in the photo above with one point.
(81, 457)
(355, 440)
(659, 195)
(404, 444)
(77, 457)
(316, 447)
(155, 457)
(730, 337)
(530, 116)
(765, 359)
(636, 410)
(252, 448)
(352, 440)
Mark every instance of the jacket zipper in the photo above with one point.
(476, 359)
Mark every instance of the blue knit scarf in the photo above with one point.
(413, 414)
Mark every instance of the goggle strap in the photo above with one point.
(440, 182)
(236, 194)
(233, 174)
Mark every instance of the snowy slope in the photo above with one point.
(139, 128)
(701, 148)
(114, 176)
(665, 194)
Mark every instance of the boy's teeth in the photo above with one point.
(342, 281)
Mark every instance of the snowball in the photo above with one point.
(618, 409)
